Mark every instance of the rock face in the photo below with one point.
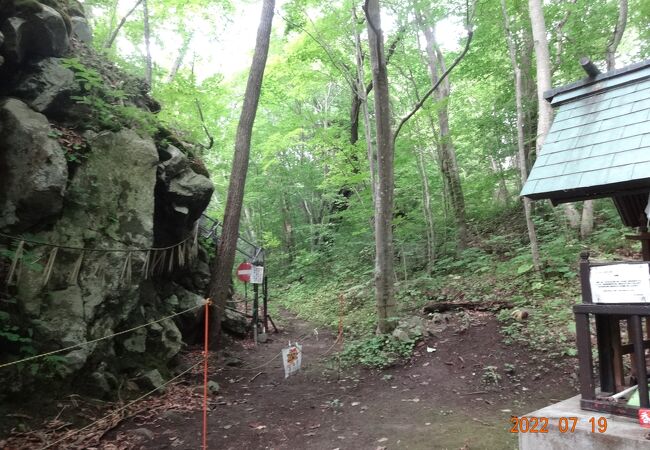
(34, 33)
(182, 193)
(47, 86)
(33, 167)
(106, 206)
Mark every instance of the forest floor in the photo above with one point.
(458, 391)
(453, 397)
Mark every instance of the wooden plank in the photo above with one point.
(605, 356)
(585, 360)
(621, 310)
(626, 349)
(641, 370)
(585, 273)
(610, 407)
(617, 354)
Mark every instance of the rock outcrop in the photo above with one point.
(90, 179)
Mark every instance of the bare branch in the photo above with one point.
(205, 128)
(111, 38)
(419, 104)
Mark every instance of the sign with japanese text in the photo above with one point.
(257, 274)
(620, 283)
(292, 359)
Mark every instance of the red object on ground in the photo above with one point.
(244, 272)
(644, 417)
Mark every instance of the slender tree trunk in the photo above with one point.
(447, 152)
(222, 270)
(613, 44)
(426, 207)
(180, 57)
(523, 170)
(362, 99)
(545, 111)
(113, 35)
(587, 223)
(288, 227)
(502, 196)
(384, 281)
(148, 71)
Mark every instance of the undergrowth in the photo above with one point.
(498, 270)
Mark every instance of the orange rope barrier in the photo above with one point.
(205, 376)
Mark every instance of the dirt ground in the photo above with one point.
(458, 391)
(442, 398)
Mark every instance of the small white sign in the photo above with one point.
(292, 358)
(620, 283)
(257, 274)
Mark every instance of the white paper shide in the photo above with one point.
(620, 283)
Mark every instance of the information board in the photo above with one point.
(620, 283)
(257, 274)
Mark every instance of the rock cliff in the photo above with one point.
(86, 167)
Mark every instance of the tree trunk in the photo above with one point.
(587, 223)
(180, 57)
(222, 270)
(384, 283)
(426, 208)
(447, 152)
(613, 44)
(361, 98)
(545, 111)
(148, 70)
(113, 35)
(288, 227)
(501, 196)
(523, 170)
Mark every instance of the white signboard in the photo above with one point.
(257, 274)
(292, 358)
(620, 283)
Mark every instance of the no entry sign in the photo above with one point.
(244, 272)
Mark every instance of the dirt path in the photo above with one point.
(459, 396)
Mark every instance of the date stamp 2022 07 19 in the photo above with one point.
(531, 424)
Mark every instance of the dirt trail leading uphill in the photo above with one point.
(459, 396)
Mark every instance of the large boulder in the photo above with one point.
(113, 190)
(81, 29)
(181, 195)
(33, 167)
(46, 86)
(38, 31)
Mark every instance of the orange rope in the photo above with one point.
(205, 377)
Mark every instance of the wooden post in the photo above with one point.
(617, 354)
(605, 357)
(255, 310)
(585, 271)
(585, 360)
(265, 299)
(639, 351)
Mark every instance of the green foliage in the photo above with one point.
(107, 106)
(376, 351)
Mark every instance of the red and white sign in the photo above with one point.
(244, 271)
(644, 418)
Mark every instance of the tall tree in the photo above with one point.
(587, 223)
(221, 274)
(446, 150)
(523, 169)
(148, 67)
(384, 295)
(544, 109)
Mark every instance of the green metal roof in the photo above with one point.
(599, 143)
